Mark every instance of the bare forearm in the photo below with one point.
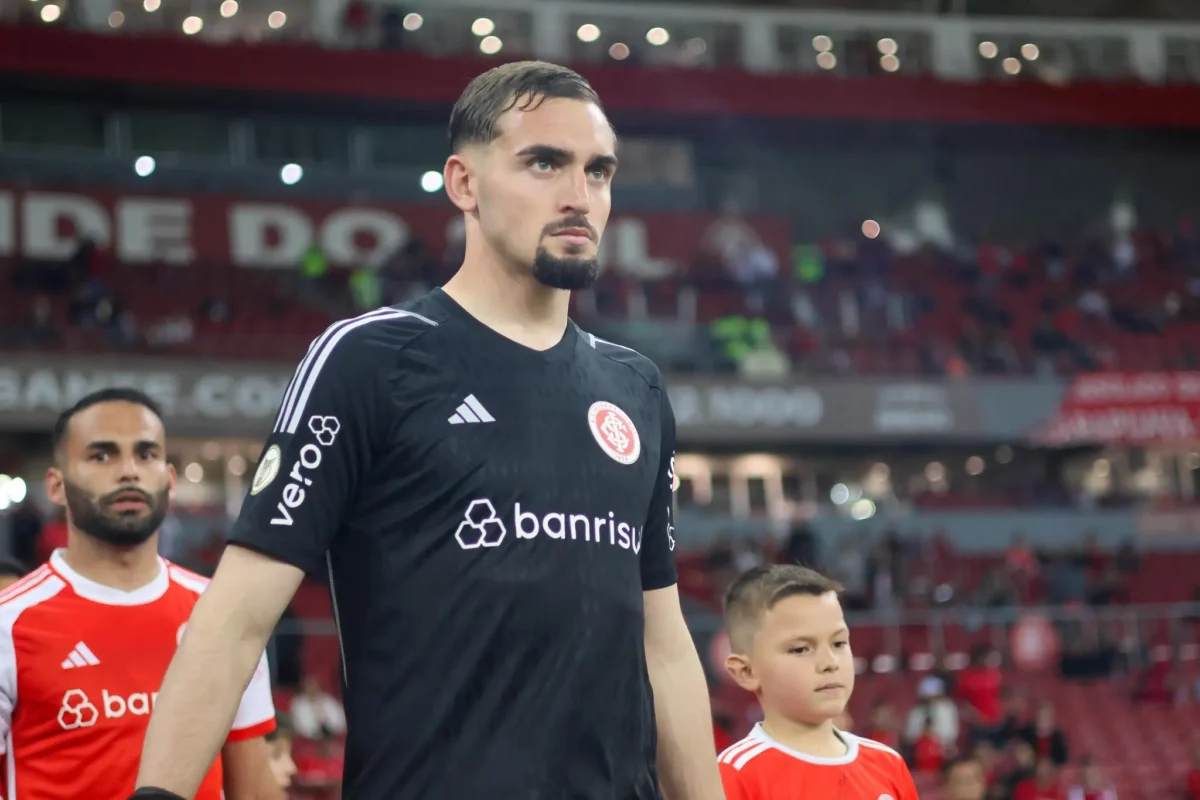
(196, 705)
(687, 759)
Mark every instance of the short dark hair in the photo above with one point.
(523, 84)
(11, 566)
(283, 728)
(757, 591)
(116, 394)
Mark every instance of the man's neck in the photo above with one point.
(819, 741)
(123, 568)
(515, 306)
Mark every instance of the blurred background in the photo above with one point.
(924, 276)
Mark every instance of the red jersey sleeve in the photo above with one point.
(904, 782)
(734, 788)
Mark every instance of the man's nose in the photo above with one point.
(576, 192)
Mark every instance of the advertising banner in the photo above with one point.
(206, 398)
(1129, 408)
(46, 224)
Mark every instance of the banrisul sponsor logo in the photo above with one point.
(526, 524)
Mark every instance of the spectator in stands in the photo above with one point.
(928, 754)
(883, 726)
(24, 528)
(963, 779)
(934, 712)
(1192, 781)
(1044, 785)
(283, 767)
(316, 714)
(1045, 737)
(1092, 784)
(319, 770)
(978, 692)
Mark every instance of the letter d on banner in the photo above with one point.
(249, 224)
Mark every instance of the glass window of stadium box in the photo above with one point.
(1183, 59)
(185, 132)
(854, 52)
(443, 30)
(1054, 59)
(302, 141)
(37, 123)
(407, 146)
(700, 43)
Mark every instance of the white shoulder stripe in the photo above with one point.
(291, 411)
(193, 582)
(745, 757)
(877, 746)
(731, 752)
(597, 340)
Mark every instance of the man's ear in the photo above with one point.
(459, 179)
(742, 671)
(56, 487)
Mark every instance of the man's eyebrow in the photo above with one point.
(560, 155)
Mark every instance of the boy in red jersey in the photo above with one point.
(791, 648)
(86, 639)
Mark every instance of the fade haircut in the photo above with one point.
(521, 84)
(757, 591)
(119, 394)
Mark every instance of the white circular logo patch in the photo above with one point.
(268, 468)
(614, 432)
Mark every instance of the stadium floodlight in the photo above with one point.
(413, 22)
(192, 25)
(291, 174)
(588, 32)
(229, 8)
(51, 13)
(431, 181)
(483, 27)
(490, 45)
(145, 166)
(276, 20)
(658, 36)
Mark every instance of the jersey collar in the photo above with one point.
(99, 593)
(760, 733)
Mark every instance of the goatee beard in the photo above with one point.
(96, 519)
(571, 274)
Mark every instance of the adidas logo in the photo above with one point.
(471, 410)
(81, 656)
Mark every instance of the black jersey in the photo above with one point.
(489, 516)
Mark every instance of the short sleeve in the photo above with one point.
(319, 451)
(658, 535)
(906, 788)
(256, 713)
(732, 783)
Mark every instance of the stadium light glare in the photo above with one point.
(291, 174)
(870, 228)
(51, 13)
(236, 466)
(229, 8)
(888, 47)
(1012, 66)
(413, 22)
(483, 27)
(116, 19)
(975, 465)
(588, 32)
(194, 472)
(431, 181)
(144, 166)
(658, 36)
(277, 20)
(17, 490)
(152, 5)
(822, 43)
(619, 51)
(192, 25)
(1030, 51)
(988, 49)
(889, 63)
(826, 60)
(695, 46)
(490, 45)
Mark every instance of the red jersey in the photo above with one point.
(927, 754)
(80, 667)
(760, 768)
(979, 687)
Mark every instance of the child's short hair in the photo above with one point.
(283, 728)
(757, 591)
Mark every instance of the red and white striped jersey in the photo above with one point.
(761, 768)
(80, 666)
